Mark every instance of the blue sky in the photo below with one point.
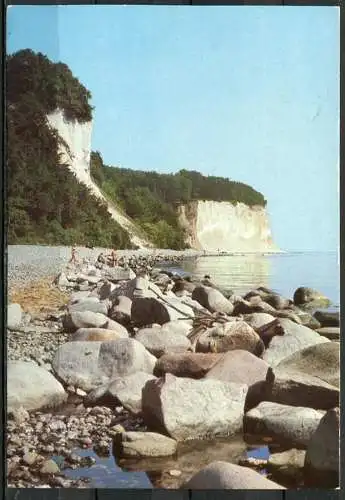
(249, 93)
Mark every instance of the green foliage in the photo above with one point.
(46, 203)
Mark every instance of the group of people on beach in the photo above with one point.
(110, 259)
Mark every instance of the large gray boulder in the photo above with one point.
(212, 299)
(320, 360)
(287, 465)
(230, 336)
(190, 364)
(186, 408)
(239, 366)
(89, 304)
(290, 339)
(84, 319)
(257, 320)
(291, 425)
(98, 334)
(328, 318)
(143, 444)
(90, 364)
(330, 332)
(125, 390)
(227, 476)
(321, 466)
(304, 295)
(159, 341)
(295, 389)
(120, 310)
(31, 387)
(146, 311)
(253, 305)
(14, 316)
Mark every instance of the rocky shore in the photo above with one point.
(168, 374)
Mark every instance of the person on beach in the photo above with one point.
(73, 259)
(113, 258)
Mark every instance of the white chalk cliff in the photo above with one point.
(210, 225)
(213, 226)
(76, 152)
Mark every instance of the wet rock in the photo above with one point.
(288, 465)
(287, 338)
(330, 332)
(239, 366)
(212, 299)
(305, 295)
(327, 318)
(159, 341)
(49, 467)
(227, 476)
(321, 466)
(14, 316)
(98, 334)
(320, 360)
(32, 387)
(90, 364)
(230, 336)
(187, 408)
(144, 444)
(189, 364)
(290, 425)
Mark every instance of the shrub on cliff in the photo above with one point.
(46, 203)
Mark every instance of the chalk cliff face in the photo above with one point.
(75, 151)
(213, 226)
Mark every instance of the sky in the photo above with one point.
(248, 93)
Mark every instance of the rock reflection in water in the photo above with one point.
(239, 273)
(191, 456)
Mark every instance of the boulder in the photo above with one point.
(257, 320)
(321, 466)
(120, 310)
(125, 390)
(146, 311)
(137, 287)
(212, 299)
(104, 292)
(14, 316)
(289, 425)
(327, 318)
(239, 366)
(288, 337)
(227, 476)
(87, 365)
(189, 364)
(277, 301)
(89, 304)
(31, 387)
(295, 389)
(97, 334)
(117, 273)
(255, 304)
(178, 327)
(330, 332)
(230, 336)
(76, 296)
(62, 281)
(320, 360)
(84, 319)
(287, 465)
(186, 408)
(158, 341)
(305, 295)
(143, 444)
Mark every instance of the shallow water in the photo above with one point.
(281, 272)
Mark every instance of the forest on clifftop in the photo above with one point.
(46, 203)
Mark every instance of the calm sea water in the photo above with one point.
(281, 272)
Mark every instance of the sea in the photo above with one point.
(283, 272)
